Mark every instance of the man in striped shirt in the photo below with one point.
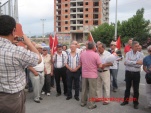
(73, 72)
(133, 63)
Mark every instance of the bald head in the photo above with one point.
(73, 48)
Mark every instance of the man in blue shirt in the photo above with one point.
(147, 69)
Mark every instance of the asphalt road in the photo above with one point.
(53, 104)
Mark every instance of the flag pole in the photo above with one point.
(53, 42)
(116, 21)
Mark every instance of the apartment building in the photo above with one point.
(79, 17)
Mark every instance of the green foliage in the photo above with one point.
(135, 27)
(103, 33)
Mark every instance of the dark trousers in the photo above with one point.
(12, 103)
(135, 78)
(52, 81)
(46, 87)
(60, 73)
(73, 76)
(113, 73)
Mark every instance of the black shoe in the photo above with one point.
(124, 103)
(77, 98)
(58, 94)
(40, 98)
(135, 106)
(37, 101)
(68, 98)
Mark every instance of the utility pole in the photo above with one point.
(116, 21)
(43, 25)
(16, 11)
(0, 9)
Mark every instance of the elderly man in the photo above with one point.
(73, 72)
(133, 62)
(13, 61)
(104, 75)
(48, 71)
(59, 61)
(37, 77)
(147, 69)
(77, 49)
(90, 61)
(114, 68)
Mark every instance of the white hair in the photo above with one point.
(149, 47)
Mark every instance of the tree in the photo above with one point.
(135, 27)
(103, 33)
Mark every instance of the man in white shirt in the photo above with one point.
(114, 68)
(103, 75)
(59, 61)
(37, 77)
(133, 63)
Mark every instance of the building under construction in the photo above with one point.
(78, 17)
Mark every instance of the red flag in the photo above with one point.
(50, 41)
(90, 38)
(118, 43)
(53, 42)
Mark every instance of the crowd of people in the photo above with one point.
(93, 69)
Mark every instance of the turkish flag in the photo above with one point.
(53, 42)
(90, 38)
(118, 43)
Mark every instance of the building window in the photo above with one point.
(66, 16)
(86, 21)
(66, 22)
(66, 11)
(66, 5)
(86, 9)
(66, 28)
(86, 3)
(86, 15)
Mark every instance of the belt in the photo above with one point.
(40, 71)
(102, 71)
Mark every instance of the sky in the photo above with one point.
(32, 11)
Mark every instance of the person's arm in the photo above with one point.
(145, 68)
(52, 64)
(33, 71)
(67, 66)
(31, 47)
(128, 61)
(107, 64)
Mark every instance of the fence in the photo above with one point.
(9, 8)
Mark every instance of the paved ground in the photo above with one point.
(53, 104)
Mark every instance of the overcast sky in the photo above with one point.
(32, 11)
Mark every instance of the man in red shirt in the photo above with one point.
(128, 46)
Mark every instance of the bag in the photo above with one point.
(148, 78)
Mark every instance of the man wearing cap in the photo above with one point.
(59, 61)
(37, 77)
(48, 71)
(114, 68)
